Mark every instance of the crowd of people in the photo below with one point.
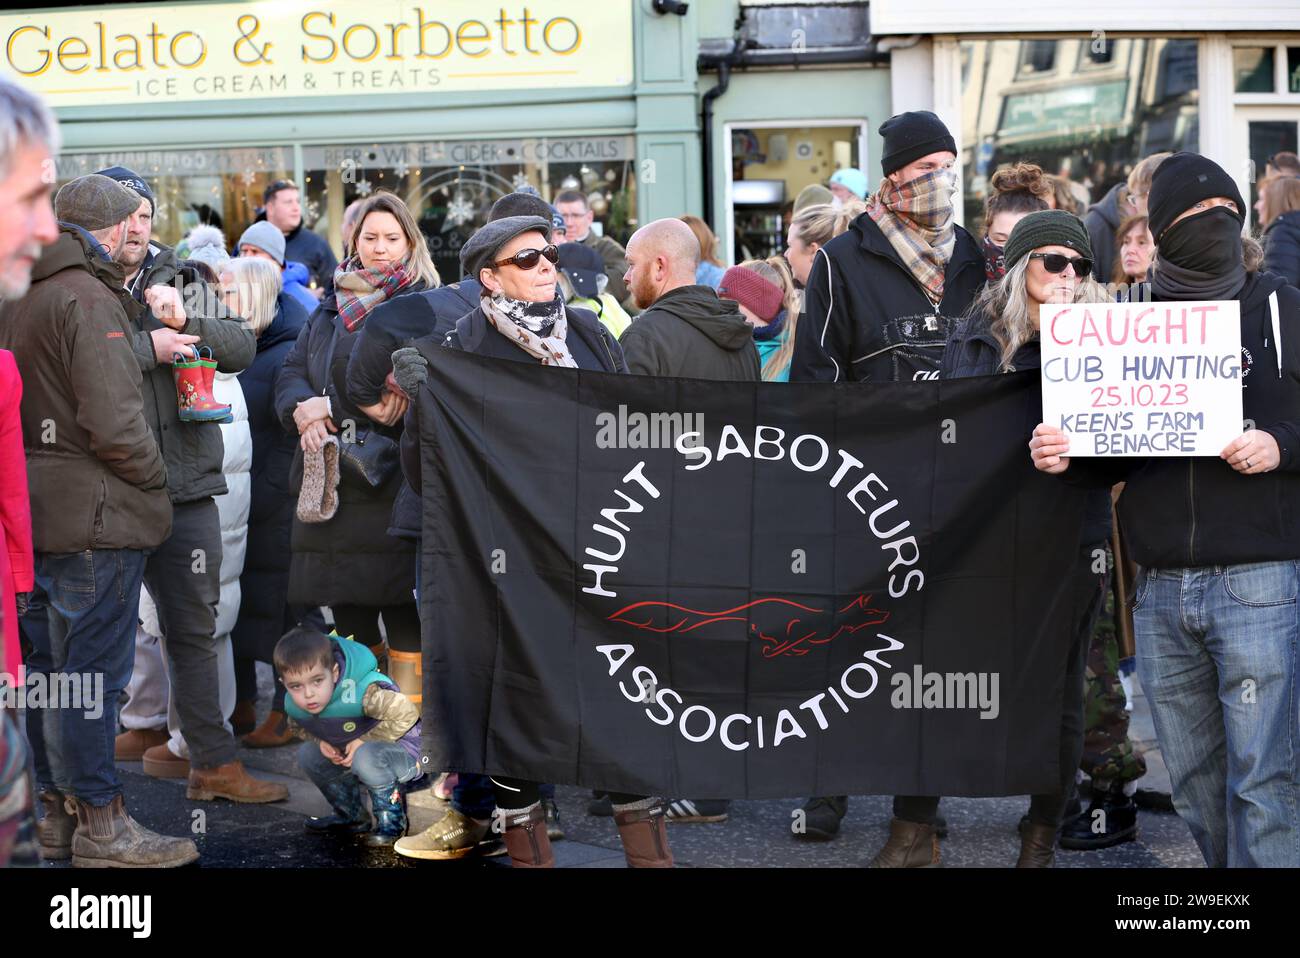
(211, 461)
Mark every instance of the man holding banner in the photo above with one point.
(1218, 539)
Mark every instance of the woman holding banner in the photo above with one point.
(1048, 260)
(1218, 542)
(520, 317)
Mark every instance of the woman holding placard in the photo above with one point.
(1048, 260)
(1218, 541)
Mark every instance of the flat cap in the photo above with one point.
(484, 245)
(95, 202)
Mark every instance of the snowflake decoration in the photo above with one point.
(401, 169)
(363, 187)
(519, 181)
(459, 211)
(313, 211)
(248, 176)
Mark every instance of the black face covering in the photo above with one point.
(1200, 257)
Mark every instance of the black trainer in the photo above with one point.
(1111, 819)
(822, 817)
(697, 810)
(600, 805)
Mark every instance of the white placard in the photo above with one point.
(1143, 379)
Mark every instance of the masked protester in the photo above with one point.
(1218, 543)
(883, 298)
(1015, 192)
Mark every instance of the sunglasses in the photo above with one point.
(529, 258)
(1056, 263)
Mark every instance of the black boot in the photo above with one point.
(822, 817)
(388, 802)
(1111, 819)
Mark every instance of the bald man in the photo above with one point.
(686, 330)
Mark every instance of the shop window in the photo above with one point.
(1098, 51)
(1252, 68)
(1089, 125)
(1037, 56)
(451, 184)
(220, 187)
(1293, 69)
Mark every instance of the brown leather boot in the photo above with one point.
(526, 840)
(272, 733)
(232, 782)
(131, 745)
(244, 718)
(1037, 846)
(54, 830)
(644, 832)
(159, 762)
(407, 670)
(910, 845)
(107, 837)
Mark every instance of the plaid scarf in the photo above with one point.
(916, 218)
(545, 342)
(358, 290)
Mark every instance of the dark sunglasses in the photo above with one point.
(529, 258)
(1056, 263)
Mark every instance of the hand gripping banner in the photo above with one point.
(678, 587)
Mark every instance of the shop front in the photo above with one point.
(449, 105)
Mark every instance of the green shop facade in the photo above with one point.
(449, 105)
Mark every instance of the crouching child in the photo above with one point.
(363, 733)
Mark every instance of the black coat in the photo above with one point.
(972, 350)
(1101, 221)
(311, 249)
(1198, 511)
(690, 333)
(868, 319)
(591, 344)
(264, 582)
(1282, 247)
(351, 559)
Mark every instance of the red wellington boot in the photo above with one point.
(194, 388)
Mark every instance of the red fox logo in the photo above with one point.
(784, 626)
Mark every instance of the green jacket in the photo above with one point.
(96, 476)
(193, 450)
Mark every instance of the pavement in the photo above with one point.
(982, 832)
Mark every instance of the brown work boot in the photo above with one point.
(160, 762)
(107, 837)
(131, 745)
(54, 830)
(244, 718)
(272, 733)
(910, 845)
(1037, 846)
(644, 832)
(232, 782)
(526, 840)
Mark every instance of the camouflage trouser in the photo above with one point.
(1109, 758)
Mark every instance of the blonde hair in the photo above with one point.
(776, 271)
(1281, 195)
(257, 283)
(822, 222)
(418, 262)
(708, 242)
(1007, 304)
(1139, 179)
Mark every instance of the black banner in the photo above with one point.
(689, 588)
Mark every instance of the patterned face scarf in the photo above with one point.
(358, 290)
(995, 261)
(916, 218)
(539, 329)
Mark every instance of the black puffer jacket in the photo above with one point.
(264, 582)
(301, 245)
(690, 333)
(351, 559)
(1186, 511)
(972, 350)
(193, 450)
(1282, 247)
(868, 319)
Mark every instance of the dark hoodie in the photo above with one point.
(690, 333)
(1198, 511)
(1282, 247)
(1102, 220)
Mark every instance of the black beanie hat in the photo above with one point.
(910, 136)
(132, 180)
(1183, 180)
(1046, 228)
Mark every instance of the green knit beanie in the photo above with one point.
(1046, 228)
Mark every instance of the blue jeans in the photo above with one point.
(375, 765)
(1217, 655)
(93, 604)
